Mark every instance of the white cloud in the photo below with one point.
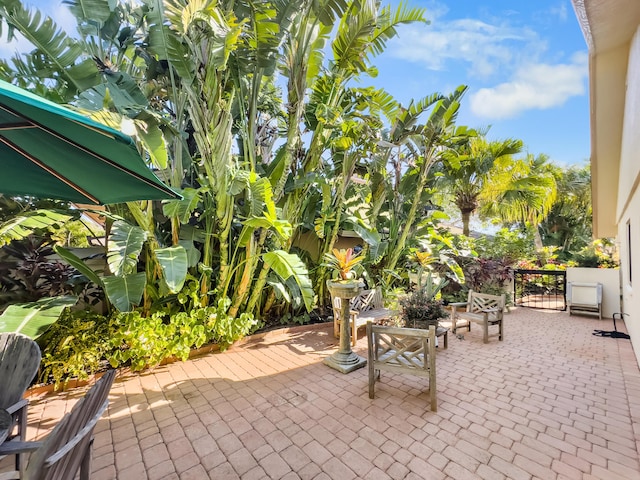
(15, 47)
(560, 11)
(59, 13)
(485, 47)
(534, 86)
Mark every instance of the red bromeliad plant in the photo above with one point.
(343, 262)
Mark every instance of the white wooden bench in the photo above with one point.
(585, 298)
(402, 350)
(481, 308)
(367, 306)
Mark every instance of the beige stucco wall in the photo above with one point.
(608, 74)
(629, 198)
(629, 172)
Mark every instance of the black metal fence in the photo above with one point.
(540, 289)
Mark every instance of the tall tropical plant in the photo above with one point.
(522, 191)
(568, 224)
(467, 171)
(438, 134)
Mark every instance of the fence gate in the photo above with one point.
(540, 289)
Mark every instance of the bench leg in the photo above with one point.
(485, 332)
(354, 332)
(446, 340)
(372, 372)
(500, 330)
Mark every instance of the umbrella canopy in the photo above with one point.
(49, 151)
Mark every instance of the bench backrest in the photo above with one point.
(68, 446)
(481, 302)
(402, 350)
(367, 300)
(19, 362)
(364, 301)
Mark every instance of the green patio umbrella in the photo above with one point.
(49, 151)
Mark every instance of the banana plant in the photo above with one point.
(125, 286)
(34, 318)
(24, 224)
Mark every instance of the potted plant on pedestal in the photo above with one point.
(345, 286)
(344, 283)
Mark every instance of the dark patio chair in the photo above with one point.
(67, 449)
(19, 362)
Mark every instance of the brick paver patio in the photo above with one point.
(551, 402)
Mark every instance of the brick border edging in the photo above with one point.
(42, 390)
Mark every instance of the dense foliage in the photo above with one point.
(259, 114)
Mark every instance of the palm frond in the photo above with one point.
(94, 11)
(327, 11)
(56, 54)
(388, 22)
(353, 36)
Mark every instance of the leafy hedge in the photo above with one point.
(81, 343)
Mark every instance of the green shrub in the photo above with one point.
(146, 341)
(75, 346)
(80, 343)
(506, 245)
(420, 310)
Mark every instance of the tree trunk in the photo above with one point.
(466, 217)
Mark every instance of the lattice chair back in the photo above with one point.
(367, 300)
(481, 302)
(402, 350)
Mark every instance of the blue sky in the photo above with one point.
(525, 63)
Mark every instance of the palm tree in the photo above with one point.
(568, 224)
(467, 172)
(521, 191)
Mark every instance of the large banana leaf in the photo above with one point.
(287, 265)
(183, 209)
(33, 319)
(189, 235)
(174, 263)
(23, 225)
(90, 11)
(149, 132)
(125, 244)
(126, 291)
(77, 263)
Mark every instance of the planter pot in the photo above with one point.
(344, 288)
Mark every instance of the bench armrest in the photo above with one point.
(459, 304)
(17, 406)
(14, 447)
